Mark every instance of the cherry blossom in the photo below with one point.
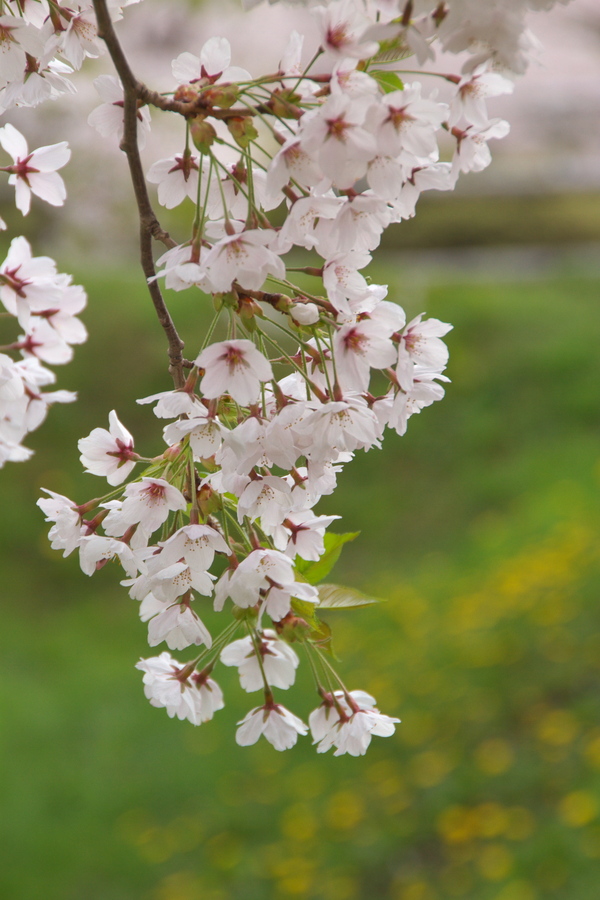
(406, 124)
(338, 137)
(278, 659)
(306, 534)
(182, 692)
(34, 173)
(177, 178)
(347, 722)
(17, 38)
(196, 545)
(472, 152)
(212, 66)
(421, 345)
(294, 375)
(148, 503)
(233, 367)
(81, 38)
(95, 550)
(280, 727)
(109, 453)
(358, 348)
(66, 531)
(107, 118)
(179, 626)
(243, 257)
(342, 27)
(472, 92)
(257, 572)
(28, 283)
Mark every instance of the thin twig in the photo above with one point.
(149, 224)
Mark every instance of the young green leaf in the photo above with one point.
(388, 81)
(313, 572)
(337, 596)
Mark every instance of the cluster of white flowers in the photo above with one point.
(43, 301)
(42, 43)
(300, 378)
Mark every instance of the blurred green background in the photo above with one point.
(480, 526)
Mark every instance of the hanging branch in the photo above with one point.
(149, 225)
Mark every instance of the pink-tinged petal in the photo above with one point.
(13, 142)
(22, 194)
(215, 55)
(50, 187)
(118, 430)
(60, 397)
(160, 169)
(50, 158)
(186, 67)
(172, 192)
(251, 728)
(108, 88)
(282, 728)
(106, 119)
(71, 330)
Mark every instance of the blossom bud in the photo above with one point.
(172, 452)
(283, 104)
(242, 130)
(305, 313)
(222, 95)
(186, 93)
(202, 132)
(209, 500)
(292, 628)
(248, 308)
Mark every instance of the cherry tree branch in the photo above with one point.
(199, 105)
(149, 225)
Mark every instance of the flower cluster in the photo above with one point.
(43, 42)
(232, 498)
(297, 172)
(43, 301)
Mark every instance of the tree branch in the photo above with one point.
(149, 224)
(199, 106)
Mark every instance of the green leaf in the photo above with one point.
(392, 51)
(305, 610)
(388, 81)
(313, 572)
(337, 596)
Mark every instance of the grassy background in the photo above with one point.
(480, 526)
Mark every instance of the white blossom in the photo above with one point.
(109, 453)
(279, 661)
(280, 727)
(34, 172)
(179, 626)
(108, 117)
(177, 178)
(348, 722)
(184, 693)
(66, 531)
(243, 257)
(148, 503)
(233, 367)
